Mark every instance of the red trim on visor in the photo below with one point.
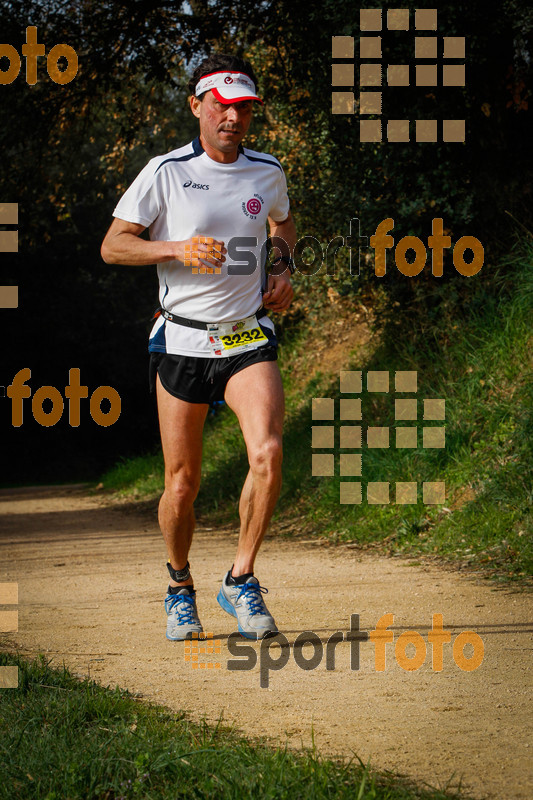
(227, 102)
(224, 72)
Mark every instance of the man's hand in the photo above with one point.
(201, 248)
(279, 294)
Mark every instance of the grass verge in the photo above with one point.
(64, 738)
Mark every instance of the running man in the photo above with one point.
(213, 340)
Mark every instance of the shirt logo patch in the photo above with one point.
(190, 184)
(253, 206)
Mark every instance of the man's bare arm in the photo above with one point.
(286, 230)
(122, 245)
(279, 294)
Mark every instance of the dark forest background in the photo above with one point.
(68, 152)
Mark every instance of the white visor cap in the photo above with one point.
(228, 87)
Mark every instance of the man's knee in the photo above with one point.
(182, 487)
(266, 458)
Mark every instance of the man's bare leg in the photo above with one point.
(255, 394)
(181, 425)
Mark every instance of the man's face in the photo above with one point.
(222, 126)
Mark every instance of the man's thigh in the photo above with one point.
(255, 394)
(181, 425)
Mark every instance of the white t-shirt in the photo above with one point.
(184, 194)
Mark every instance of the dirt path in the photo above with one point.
(91, 579)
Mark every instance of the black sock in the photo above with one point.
(176, 589)
(240, 580)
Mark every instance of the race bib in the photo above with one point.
(231, 338)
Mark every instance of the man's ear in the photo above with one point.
(195, 104)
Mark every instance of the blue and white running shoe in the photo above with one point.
(246, 603)
(182, 614)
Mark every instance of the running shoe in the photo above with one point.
(182, 614)
(246, 603)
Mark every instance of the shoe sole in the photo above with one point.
(226, 606)
(185, 638)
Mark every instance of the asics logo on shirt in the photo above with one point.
(192, 185)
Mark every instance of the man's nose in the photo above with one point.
(232, 113)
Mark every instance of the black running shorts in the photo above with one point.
(202, 380)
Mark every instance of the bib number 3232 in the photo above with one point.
(231, 338)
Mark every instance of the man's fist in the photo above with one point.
(279, 294)
(204, 254)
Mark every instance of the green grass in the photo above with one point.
(484, 373)
(63, 738)
(478, 358)
(141, 476)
